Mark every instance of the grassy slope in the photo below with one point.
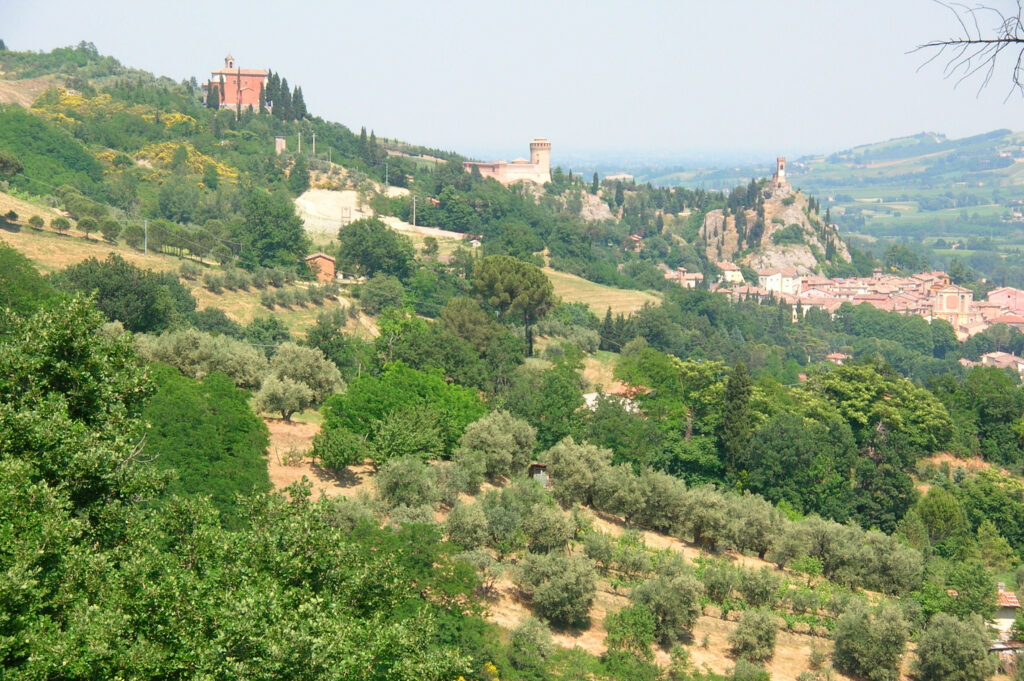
(598, 297)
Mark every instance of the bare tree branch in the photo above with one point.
(987, 33)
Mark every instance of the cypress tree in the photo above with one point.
(595, 184)
(372, 149)
(298, 104)
(213, 97)
(263, 98)
(735, 429)
(363, 147)
(286, 102)
(607, 330)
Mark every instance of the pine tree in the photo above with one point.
(735, 429)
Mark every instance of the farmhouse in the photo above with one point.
(1008, 606)
(322, 265)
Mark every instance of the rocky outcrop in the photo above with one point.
(786, 233)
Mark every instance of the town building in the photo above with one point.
(321, 265)
(1007, 607)
(536, 170)
(236, 88)
(731, 274)
(684, 278)
(780, 281)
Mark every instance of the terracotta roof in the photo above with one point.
(319, 255)
(244, 72)
(1007, 599)
(1008, 319)
(727, 267)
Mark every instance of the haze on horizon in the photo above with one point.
(655, 79)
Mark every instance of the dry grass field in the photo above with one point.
(598, 297)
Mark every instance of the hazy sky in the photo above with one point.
(663, 78)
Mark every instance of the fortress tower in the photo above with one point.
(536, 170)
(540, 155)
(779, 178)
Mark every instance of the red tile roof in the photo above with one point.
(1007, 599)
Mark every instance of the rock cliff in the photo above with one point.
(783, 231)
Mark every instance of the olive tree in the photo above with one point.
(466, 525)
(950, 649)
(574, 470)
(284, 396)
(674, 598)
(307, 366)
(407, 481)
(753, 638)
(561, 587)
(499, 444)
(869, 644)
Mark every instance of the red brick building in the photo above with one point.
(322, 265)
(237, 88)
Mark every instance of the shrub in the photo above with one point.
(60, 224)
(760, 587)
(748, 671)
(530, 647)
(408, 432)
(36, 222)
(631, 630)
(11, 216)
(214, 283)
(268, 299)
(407, 481)
(189, 270)
(339, 448)
(754, 637)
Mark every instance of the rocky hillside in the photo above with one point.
(784, 230)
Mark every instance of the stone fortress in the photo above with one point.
(537, 169)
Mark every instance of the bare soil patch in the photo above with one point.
(287, 437)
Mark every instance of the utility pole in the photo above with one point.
(329, 154)
(314, 145)
(385, 173)
(300, 142)
(145, 237)
(413, 210)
